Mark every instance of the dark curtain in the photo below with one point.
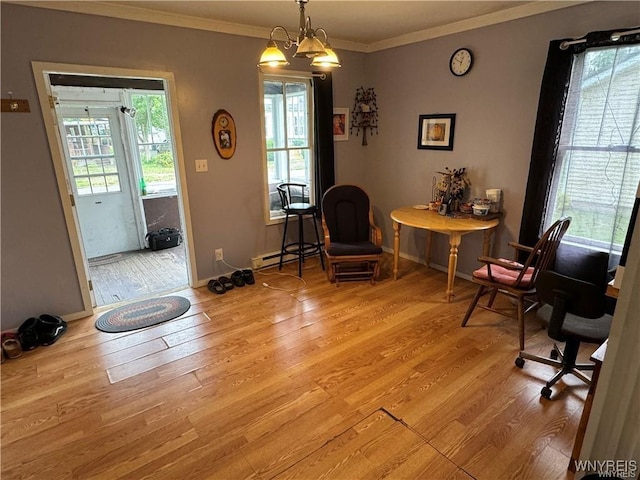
(323, 108)
(551, 108)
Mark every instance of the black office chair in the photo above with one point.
(574, 312)
(352, 241)
(295, 202)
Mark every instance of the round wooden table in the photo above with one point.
(453, 226)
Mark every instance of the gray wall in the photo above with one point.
(495, 106)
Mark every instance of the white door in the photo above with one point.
(100, 179)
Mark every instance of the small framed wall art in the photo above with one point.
(223, 131)
(340, 124)
(435, 131)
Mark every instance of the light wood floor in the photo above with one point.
(348, 382)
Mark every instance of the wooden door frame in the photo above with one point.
(41, 72)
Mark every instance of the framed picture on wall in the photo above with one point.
(435, 131)
(340, 124)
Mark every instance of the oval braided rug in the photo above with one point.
(142, 314)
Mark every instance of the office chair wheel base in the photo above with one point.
(546, 393)
(554, 354)
(519, 362)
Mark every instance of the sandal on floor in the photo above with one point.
(226, 283)
(248, 277)
(28, 334)
(50, 329)
(216, 287)
(11, 347)
(237, 278)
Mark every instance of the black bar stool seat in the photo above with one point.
(295, 203)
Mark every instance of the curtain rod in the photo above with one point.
(615, 36)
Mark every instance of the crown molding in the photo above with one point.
(514, 13)
(126, 12)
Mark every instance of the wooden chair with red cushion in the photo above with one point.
(514, 279)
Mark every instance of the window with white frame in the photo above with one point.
(288, 135)
(598, 160)
(152, 136)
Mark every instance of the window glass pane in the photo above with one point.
(297, 122)
(274, 114)
(278, 166)
(113, 183)
(598, 162)
(109, 165)
(79, 166)
(98, 184)
(83, 185)
(154, 142)
(299, 167)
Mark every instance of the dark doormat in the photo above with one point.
(142, 314)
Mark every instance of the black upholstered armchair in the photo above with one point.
(352, 241)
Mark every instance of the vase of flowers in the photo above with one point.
(453, 185)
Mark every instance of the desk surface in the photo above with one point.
(431, 220)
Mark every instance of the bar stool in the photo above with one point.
(295, 202)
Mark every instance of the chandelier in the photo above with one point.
(307, 42)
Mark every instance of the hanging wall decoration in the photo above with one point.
(365, 113)
(223, 131)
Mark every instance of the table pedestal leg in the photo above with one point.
(454, 243)
(427, 251)
(396, 248)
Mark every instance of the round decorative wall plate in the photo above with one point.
(223, 131)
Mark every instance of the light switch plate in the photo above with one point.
(201, 166)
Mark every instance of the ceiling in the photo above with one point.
(359, 25)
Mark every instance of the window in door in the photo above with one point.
(91, 152)
(153, 140)
(288, 135)
(598, 162)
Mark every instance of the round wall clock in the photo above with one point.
(223, 131)
(461, 62)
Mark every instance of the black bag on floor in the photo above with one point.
(164, 238)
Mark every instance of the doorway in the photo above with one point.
(104, 160)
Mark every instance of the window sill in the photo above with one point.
(159, 195)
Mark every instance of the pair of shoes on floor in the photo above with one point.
(239, 278)
(44, 330)
(220, 285)
(11, 347)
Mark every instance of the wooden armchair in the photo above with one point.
(517, 280)
(352, 241)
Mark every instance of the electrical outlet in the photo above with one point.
(219, 255)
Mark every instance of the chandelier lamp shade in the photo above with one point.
(307, 42)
